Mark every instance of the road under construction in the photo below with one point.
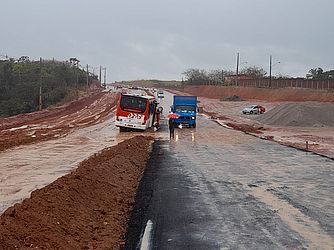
(212, 187)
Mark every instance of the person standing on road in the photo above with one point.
(171, 125)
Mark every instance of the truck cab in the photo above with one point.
(186, 108)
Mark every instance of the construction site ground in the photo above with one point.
(228, 113)
(210, 188)
(55, 122)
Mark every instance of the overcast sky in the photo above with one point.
(160, 39)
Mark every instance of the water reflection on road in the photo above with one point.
(222, 188)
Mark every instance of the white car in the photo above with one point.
(160, 94)
(254, 109)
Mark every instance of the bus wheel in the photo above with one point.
(122, 129)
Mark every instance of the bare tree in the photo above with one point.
(216, 76)
(200, 76)
(255, 71)
(196, 75)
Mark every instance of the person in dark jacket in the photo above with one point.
(171, 126)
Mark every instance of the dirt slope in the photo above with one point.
(55, 121)
(307, 114)
(296, 95)
(87, 209)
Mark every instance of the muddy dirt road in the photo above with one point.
(55, 122)
(29, 167)
(215, 188)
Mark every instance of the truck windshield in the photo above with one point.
(133, 103)
(186, 109)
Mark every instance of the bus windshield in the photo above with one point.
(186, 109)
(133, 103)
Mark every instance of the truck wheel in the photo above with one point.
(250, 112)
(122, 129)
(194, 125)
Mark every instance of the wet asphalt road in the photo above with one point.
(214, 188)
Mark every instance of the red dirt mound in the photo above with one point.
(287, 94)
(86, 209)
(55, 121)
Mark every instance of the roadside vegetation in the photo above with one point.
(23, 82)
(221, 76)
(252, 76)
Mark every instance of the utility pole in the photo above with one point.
(222, 76)
(40, 83)
(87, 76)
(105, 77)
(270, 66)
(100, 74)
(237, 72)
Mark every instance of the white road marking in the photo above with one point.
(146, 240)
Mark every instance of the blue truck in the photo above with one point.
(186, 108)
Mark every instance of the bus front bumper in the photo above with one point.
(130, 125)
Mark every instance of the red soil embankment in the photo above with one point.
(86, 209)
(286, 94)
(54, 122)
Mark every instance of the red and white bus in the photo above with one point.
(135, 111)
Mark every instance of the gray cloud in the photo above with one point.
(160, 39)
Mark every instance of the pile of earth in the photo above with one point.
(307, 114)
(233, 98)
(86, 209)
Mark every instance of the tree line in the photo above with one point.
(21, 81)
(220, 76)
